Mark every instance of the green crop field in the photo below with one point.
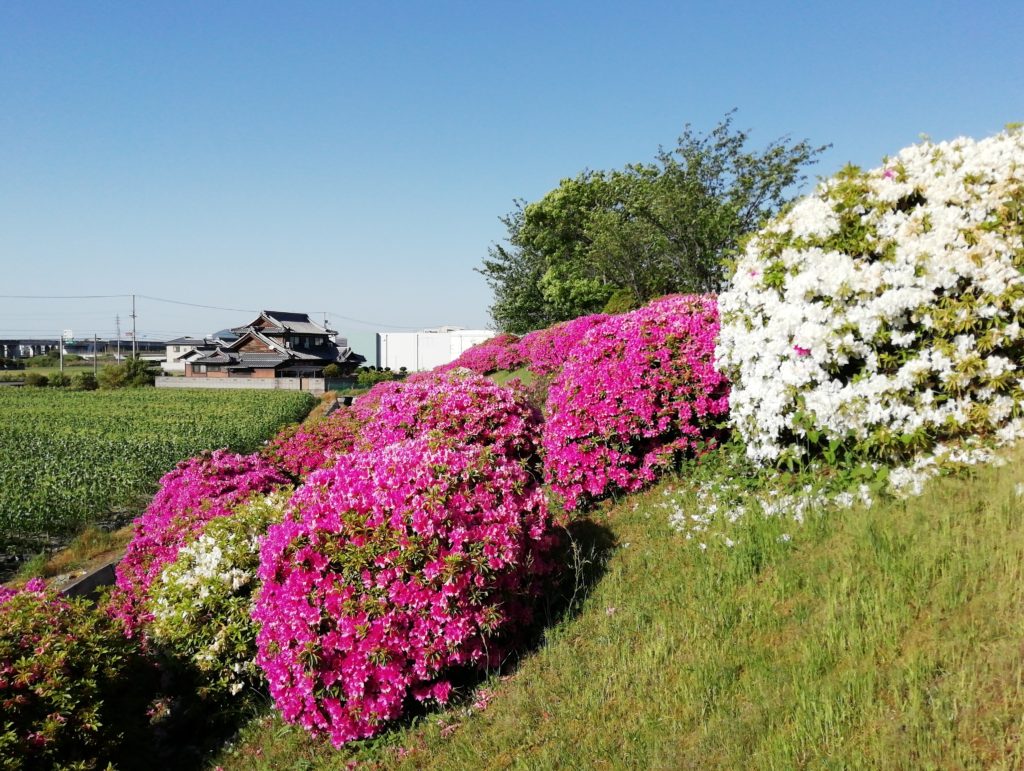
(70, 458)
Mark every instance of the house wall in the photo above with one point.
(173, 352)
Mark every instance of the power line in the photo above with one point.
(334, 314)
(195, 305)
(61, 296)
(367, 323)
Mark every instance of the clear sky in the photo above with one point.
(356, 157)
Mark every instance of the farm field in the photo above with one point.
(71, 458)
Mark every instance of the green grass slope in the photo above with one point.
(881, 638)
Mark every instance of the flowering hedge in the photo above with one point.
(62, 673)
(194, 492)
(392, 567)
(302, 449)
(640, 388)
(201, 606)
(883, 312)
(546, 350)
(500, 352)
(460, 406)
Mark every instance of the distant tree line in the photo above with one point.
(131, 373)
(612, 240)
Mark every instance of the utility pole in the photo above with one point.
(135, 345)
(95, 353)
(60, 347)
(117, 320)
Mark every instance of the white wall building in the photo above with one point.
(428, 348)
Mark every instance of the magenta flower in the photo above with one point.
(190, 495)
(393, 566)
(801, 351)
(501, 352)
(546, 350)
(638, 390)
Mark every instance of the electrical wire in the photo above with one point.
(61, 296)
(366, 323)
(333, 314)
(196, 305)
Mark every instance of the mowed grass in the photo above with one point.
(884, 638)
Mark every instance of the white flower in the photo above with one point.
(844, 333)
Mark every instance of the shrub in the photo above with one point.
(202, 603)
(84, 381)
(131, 373)
(51, 359)
(63, 671)
(546, 350)
(302, 449)
(36, 380)
(391, 568)
(59, 380)
(460, 406)
(501, 352)
(639, 390)
(193, 493)
(370, 376)
(883, 312)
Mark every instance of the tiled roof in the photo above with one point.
(279, 354)
(186, 341)
(218, 356)
(285, 322)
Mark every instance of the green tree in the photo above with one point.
(646, 230)
(130, 373)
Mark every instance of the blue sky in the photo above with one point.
(356, 157)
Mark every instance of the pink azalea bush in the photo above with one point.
(460, 406)
(392, 567)
(500, 352)
(546, 350)
(639, 389)
(302, 449)
(63, 671)
(194, 492)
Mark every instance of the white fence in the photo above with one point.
(315, 385)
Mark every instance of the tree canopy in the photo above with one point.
(611, 240)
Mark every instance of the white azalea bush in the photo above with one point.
(880, 318)
(202, 601)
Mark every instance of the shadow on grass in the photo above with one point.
(583, 556)
(166, 724)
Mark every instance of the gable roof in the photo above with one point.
(284, 322)
(253, 334)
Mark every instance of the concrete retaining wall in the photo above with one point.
(315, 385)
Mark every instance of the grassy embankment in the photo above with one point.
(880, 638)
